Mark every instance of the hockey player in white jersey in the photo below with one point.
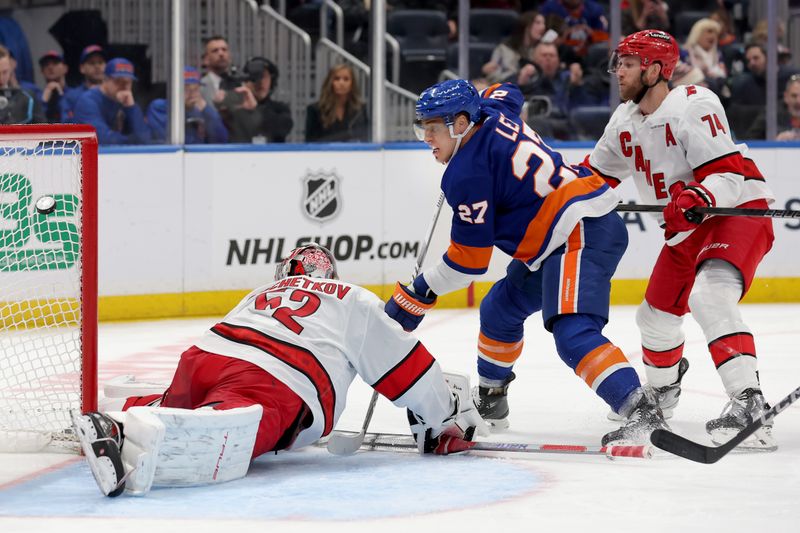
(273, 375)
(677, 146)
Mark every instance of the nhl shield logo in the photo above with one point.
(321, 195)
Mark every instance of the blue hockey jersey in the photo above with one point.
(509, 189)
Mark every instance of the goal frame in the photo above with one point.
(87, 136)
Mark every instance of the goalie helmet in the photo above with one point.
(650, 46)
(310, 260)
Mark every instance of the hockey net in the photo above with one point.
(48, 283)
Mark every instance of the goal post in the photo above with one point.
(48, 283)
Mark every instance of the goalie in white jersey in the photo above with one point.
(677, 146)
(272, 375)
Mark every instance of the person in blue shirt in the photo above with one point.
(92, 66)
(203, 123)
(582, 22)
(55, 92)
(111, 109)
(509, 189)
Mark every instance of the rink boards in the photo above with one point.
(188, 232)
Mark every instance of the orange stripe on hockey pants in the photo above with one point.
(599, 363)
(504, 353)
(568, 291)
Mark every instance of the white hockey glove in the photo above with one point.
(455, 432)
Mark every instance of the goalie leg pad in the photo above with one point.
(180, 447)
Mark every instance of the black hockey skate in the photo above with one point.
(492, 403)
(666, 397)
(642, 418)
(738, 413)
(101, 441)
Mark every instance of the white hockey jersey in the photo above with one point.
(315, 335)
(686, 139)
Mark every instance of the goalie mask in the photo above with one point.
(310, 260)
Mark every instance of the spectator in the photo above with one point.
(506, 56)
(727, 31)
(111, 109)
(788, 118)
(340, 113)
(704, 53)
(203, 123)
(260, 119)
(220, 86)
(645, 14)
(750, 87)
(92, 67)
(583, 22)
(759, 36)
(17, 105)
(29, 86)
(54, 71)
(566, 88)
(541, 75)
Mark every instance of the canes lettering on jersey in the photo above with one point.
(689, 137)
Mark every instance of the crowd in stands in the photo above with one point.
(556, 50)
(223, 105)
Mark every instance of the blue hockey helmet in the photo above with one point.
(447, 99)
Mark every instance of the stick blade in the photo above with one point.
(341, 444)
(683, 447)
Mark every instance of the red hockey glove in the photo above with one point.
(678, 215)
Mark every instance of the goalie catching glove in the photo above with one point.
(455, 433)
(408, 305)
(678, 214)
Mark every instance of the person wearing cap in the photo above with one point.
(17, 105)
(203, 123)
(264, 119)
(111, 108)
(92, 67)
(54, 71)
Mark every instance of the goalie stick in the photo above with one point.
(346, 444)
(723, 211)
(699, 453)
(395, 441)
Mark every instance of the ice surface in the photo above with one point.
(382, 491)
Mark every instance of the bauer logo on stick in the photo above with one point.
(321, 200)
(45, 205)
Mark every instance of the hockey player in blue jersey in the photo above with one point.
(509, 189)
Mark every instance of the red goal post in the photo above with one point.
(48, 283)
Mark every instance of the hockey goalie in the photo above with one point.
(272, 375)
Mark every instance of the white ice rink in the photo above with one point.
(313, 491)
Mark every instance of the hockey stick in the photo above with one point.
(342, 443)
(699, 453)
(723, 211)
(394, 441)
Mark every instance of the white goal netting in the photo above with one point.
(42, 326)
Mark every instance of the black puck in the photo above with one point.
(45, 205)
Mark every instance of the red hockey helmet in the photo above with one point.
(310, 260)
(650, 46)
